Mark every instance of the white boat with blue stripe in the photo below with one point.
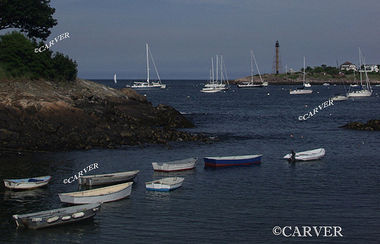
(232, 160)
(164, 184)
(27, 183)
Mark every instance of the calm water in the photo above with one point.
(229, 205)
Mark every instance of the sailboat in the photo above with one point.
(251, 84)
(142, 85)
(366, 90)
(302, 90)
(218, 80)
(114, 78)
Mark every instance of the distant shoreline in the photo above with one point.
(283, 79)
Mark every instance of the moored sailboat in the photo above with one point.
(218, 80)
(366, 90)
(302, 90)
(251, 84)
(143, 85)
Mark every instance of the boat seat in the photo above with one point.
(34, 180)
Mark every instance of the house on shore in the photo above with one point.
(348, 66)
(370, 68)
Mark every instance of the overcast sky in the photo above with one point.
(109, 37)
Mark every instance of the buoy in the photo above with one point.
(268, 94)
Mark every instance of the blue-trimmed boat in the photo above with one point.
(232, 160)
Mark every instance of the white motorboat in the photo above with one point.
(98, 195)
(165, 184)
(178, 165)
(314, 154)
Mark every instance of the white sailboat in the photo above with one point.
(366, 90)
(218, 80)
(114, 78)
(302, 90)
(142, 85)
(251, 84)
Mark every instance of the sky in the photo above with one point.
(108, 37)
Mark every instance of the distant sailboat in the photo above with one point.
(366, 90)
(114, 79)
(305, 84)
(251, 84)
(218, 80)
(143, 85)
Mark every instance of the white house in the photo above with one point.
(371, 68)
(347, 66)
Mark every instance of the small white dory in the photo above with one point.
(307, 155)
(164, 184)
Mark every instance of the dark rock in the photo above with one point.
(41, 115)
(371, 125)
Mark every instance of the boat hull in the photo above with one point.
(310, 155)
(360, 93)
(180, 165)
(55, 217)
(163, 185)
(102, 195)
(300, 92)
(232, 161)
(26, 184)
(107, 179)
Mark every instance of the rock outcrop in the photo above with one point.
(371, 125)
(43, 115)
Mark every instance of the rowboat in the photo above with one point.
(106, 179)
(232, 160)
(307, 155)
(178, 165)
(27, 183)
(58, 216)
(98, 195)
(164, 184)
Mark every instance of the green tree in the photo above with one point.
(18, 59)
(34, 17)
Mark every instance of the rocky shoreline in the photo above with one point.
(371, 125)
(51, 116)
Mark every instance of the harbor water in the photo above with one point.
(228, 205)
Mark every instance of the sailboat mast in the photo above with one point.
(304, 69)
(221, 69)
(147, 62)
(217, 66)
(251, 67)
(257, 67)
(360, 66)
(212, 70)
